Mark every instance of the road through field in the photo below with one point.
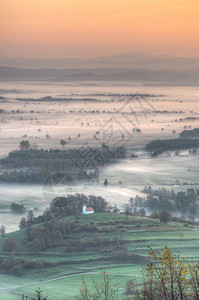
(5, 290)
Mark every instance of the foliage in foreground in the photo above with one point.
(166, 277)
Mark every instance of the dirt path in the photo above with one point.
(3, 291)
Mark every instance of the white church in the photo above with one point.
(87, 210)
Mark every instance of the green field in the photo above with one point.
(137, 232)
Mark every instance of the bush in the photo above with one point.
(165, 216)
(9, 245)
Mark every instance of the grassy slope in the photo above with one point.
(138, 235)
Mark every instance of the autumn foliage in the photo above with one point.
(167, 277)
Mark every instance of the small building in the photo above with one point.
(87, 210)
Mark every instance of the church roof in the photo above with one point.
(89, 209)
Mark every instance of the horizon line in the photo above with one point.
(101, 56)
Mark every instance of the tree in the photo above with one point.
(101, 290)
(142, 212)
(63, 143)
(22, 223)
(135, 211)
(85, 294)
(34, 146)
(3, 230)
(177, 152)
(116, 210)
(105, 290)
(35, 245)
(17, 208)
(80, 245)
(97, 240)
(24, 145)
(56, 237)
(105, 182)
(28, 231)
(9, 245)
(77, 215)
(166, 277)
(155, 215)
(124, 254)
(191, 195)
(30, 217)
(38, 296)
(128, 210)
(165, 216)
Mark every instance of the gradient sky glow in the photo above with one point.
(82, 28)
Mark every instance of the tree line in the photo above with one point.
(157, 147)
(71, 205)
(37, 165)
(163, 199)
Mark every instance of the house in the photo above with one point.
(87, 210)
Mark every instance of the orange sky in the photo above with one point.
(63, 28)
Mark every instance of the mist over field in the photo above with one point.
(46, 113)
(103, 117)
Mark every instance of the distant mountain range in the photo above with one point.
(144, 76)
(134, 60)
(132, 67)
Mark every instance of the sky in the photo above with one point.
(90, 28)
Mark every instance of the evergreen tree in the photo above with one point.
(30, 217)
(22, 223)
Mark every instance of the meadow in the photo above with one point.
(65, 276)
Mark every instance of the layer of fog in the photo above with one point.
(126, 179)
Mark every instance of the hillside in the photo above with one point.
(108, 241)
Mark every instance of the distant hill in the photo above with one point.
(145, 76)
(132, 60)
(132, 67)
